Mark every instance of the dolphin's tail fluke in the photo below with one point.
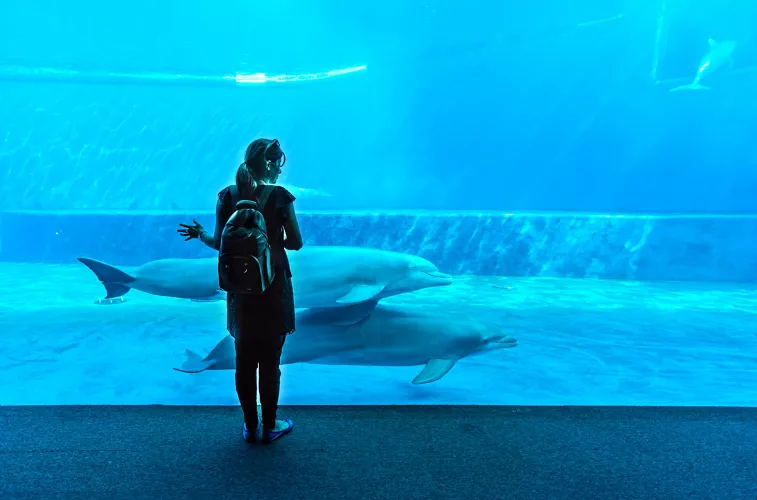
(113, 279)
(691, 86)
(221, 357)
(194, 363)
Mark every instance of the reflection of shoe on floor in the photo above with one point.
(283, 427)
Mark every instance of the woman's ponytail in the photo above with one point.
(246, 184)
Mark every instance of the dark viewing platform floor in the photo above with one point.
(392, 452)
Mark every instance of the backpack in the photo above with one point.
(244, 258)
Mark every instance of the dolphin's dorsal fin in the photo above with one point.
(340, 316)
(711, 42)
(434, 370)
(361, 293)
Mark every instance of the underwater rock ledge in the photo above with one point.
(687, 248)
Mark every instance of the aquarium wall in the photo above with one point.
(501, 204)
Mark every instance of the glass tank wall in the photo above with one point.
(501, 204)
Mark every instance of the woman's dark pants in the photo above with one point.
(264, 356)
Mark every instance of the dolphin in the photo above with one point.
(718, 54)
(324, 276)
(301, 192)
(371, 334)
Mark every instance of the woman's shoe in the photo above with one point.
(250, 435)
(283, 427)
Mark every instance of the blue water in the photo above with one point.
(533, 151)
(581, 341)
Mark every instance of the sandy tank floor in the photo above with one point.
(582, 342)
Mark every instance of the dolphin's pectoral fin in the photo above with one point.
(361, 293)
(434, 370)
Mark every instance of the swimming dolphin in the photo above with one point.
(718, 54)
(375, 335)
(301, 192)
(325, 276)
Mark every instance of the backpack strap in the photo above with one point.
(262, 194)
